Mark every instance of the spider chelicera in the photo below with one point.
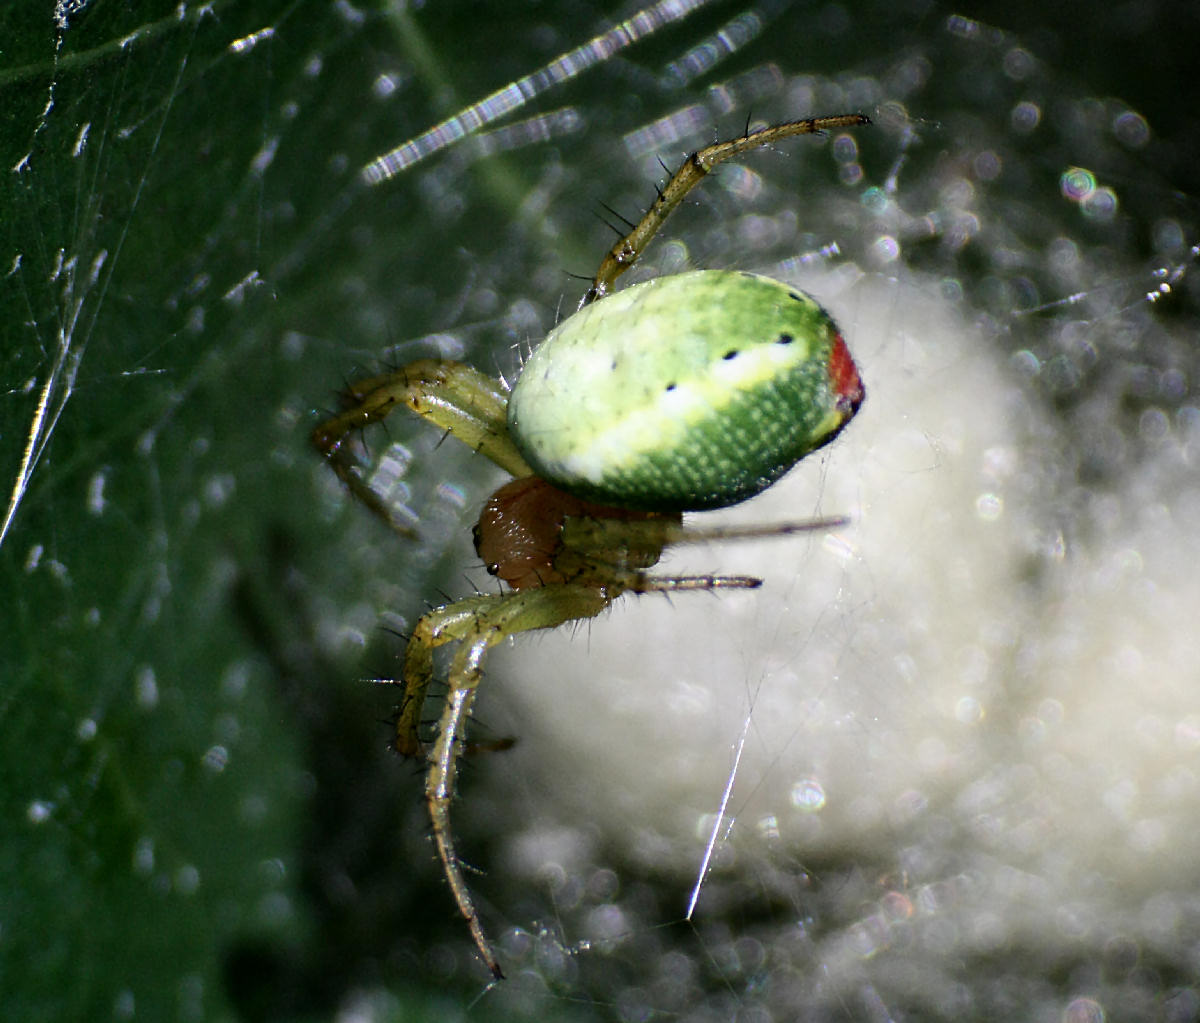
(679, 394)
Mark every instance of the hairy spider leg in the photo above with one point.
(593, 534)
(487, 621)
(457, 398)
(627, 250)
(477, 624)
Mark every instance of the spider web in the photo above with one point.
(968, 767)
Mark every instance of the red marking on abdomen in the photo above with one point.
(843, 374)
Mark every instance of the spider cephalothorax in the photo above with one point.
(520, 537)
(679, 394)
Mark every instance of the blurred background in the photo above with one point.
(993, 813)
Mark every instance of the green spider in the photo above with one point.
(679, 394)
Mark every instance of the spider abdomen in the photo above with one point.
(684, 393)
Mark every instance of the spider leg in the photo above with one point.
(441, 625)
(674, 583)
(599, 535)
(627, 250)
(676, 533)
(477, 623)
(456, 398)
